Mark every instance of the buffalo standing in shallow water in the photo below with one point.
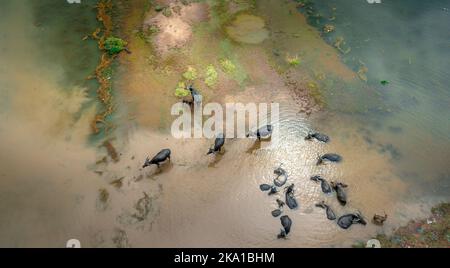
(196, 97)
(340, 192)
(280, 203)
(286, 222)
(330, 157)
(218, 144)
(326, 188)
(347, 220)
(160, 157)
(318, 136)
(330, 214)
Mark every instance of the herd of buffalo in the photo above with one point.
(344, 221)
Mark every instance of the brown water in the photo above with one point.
(50, 183)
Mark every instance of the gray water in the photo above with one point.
(406, 43)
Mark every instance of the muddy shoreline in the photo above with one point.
(431, 232)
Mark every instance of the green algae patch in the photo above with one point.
(248, 29)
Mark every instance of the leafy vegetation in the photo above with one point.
(114, 45)
(228, 66)
(211, 76)
(181, 91)
(190, 74)
(293, 61)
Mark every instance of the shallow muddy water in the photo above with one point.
(56, 184)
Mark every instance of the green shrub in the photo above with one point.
(228, 66)
(293, 61)
(190, 74)
(114, 45)
(211, 76)
(181, 91)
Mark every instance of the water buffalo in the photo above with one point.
(286, 222)
(330, 214)
(280, 203)
(326, 188)
(318, 136)
(282, 234)
(280, 172)
(265, 187)
(218, 143)
(273, 190)
(290, 199)
(347, 220)
(330, 157)
(196, 96)
(262, 132)
(160, 157)
(289, 189)
(276, 212)
(340, 192)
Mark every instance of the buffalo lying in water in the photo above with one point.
(347, 220)
(326, 188)
(218, 143)
(330, 214)
(330, 157)
(266, 187)
(318, 136)
(276, 212)
(280, 172)
(286, 222)
(160, 157)
(290, 199)
(340, 192)
(263, 132)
